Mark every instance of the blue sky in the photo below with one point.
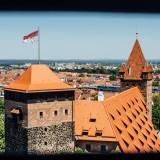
(79, 35)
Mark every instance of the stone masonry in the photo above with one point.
(39, 135)
(145, 87)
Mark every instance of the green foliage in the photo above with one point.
(151, 151)
(112, 78)
(156, 72)
(156, 111)
(80, 151)
(81, 75)
(79, 81)
(69, 80)
(90, 71)
(155, 84)
(68, 75)
(115, 151)
(18, 74)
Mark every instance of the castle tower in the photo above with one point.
(39, 115)
(137, 73)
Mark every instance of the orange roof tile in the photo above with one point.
(133, 129)
(150, 68)
(121, 70)
(136, 62)
(38, 78)
(87, 110)
(15, 111)
(145, 69)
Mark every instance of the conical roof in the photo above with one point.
(150, 68)
(135, 63)
(38, 78)
(145, 69)
(121, 70)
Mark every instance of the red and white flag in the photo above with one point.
(32, 37)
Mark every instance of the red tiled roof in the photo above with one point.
(136, 63)
(131, 126)
(121, 70)
(38, 78)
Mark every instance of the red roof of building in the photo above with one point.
(135, 63)
(121, 118)
(38, 78)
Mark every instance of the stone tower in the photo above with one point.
(39, 115)
(137, 73)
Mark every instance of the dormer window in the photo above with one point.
(129, 71)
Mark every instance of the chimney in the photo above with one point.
(100, 96)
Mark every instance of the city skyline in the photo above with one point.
(79, 35)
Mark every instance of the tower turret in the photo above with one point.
(39, 115)
(137, 73)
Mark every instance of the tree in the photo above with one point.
(81, 75)
(112, 78)
(155, 84)
(156, 111)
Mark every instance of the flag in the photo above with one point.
(32, 37)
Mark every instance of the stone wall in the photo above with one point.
(15, 137)
(145, 87)
(51, 139)
(96, 145)
(34, 135)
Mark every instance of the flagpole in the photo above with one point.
(38, 46)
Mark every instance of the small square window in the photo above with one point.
(98, 134)
(66, 111)
(41, 114)
(56, 113)
(85, 133)
(92, 120)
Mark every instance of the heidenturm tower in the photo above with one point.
(137, 73)
(39, 113)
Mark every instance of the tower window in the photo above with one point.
(56, 113)
(45, 129)
(45, 143)
(129, 71)
(66, 111)
(41, 114)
